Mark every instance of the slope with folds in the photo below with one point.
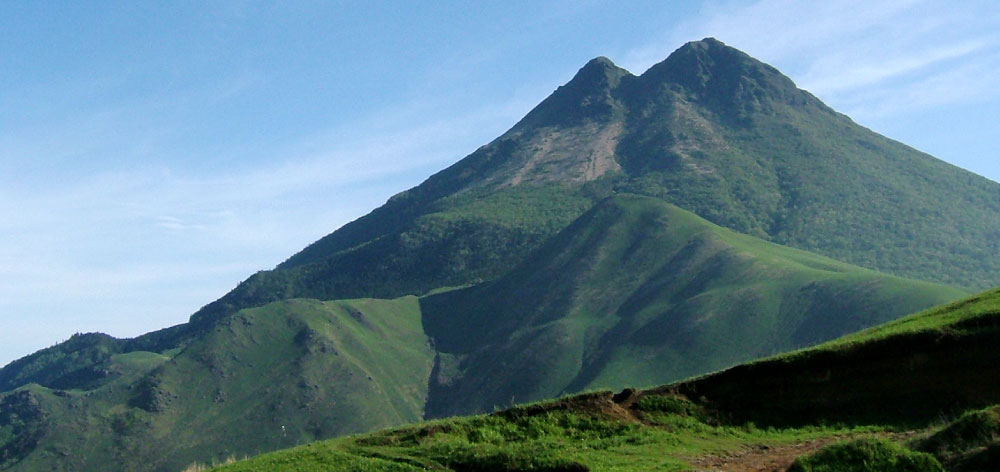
(938, 361)
(638, 291)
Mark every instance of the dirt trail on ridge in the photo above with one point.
(777, 458)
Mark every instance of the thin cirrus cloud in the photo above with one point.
(827, 77)
(774, 29)
(958, 84)
(869, 59)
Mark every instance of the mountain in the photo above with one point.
(889, 398)
(710, 130)
(596, 243)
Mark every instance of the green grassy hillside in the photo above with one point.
(638, 291)
(701, 424)
(948, 355)
(269, 377)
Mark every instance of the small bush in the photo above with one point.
(973, 430)
(672, 405)
(867, 455)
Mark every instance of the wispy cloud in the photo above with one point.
(954, 85)
(866, 58)
(826, 76)
(174, 223)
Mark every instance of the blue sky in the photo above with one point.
(154, 154)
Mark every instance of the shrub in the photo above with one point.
(673, 405)
(974, 429)
(867, 455)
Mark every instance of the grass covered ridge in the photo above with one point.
(941, 361)
(964, 316)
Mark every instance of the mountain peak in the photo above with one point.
(599, 72)
(724, 77)
(587, 96)
(707, 52)
(705, 44)
(600, 61)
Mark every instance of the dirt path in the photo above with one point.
(774, 458)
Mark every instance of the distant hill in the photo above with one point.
(268, 377)
(870, 401)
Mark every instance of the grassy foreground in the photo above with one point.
(676, 428)
(587, 432)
